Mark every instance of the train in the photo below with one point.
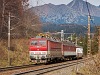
(44, 50)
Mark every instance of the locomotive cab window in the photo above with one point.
(34, 42)
(42, 43)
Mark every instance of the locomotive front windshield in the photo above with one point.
(42, 43)
(38, 42)
(34, 42)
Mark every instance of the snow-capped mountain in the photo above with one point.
(75, 12)
(81, 6)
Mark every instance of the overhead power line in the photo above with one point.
(89, 13)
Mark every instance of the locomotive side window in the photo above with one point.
(42, 43)
(34, 42)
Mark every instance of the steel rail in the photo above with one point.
(17, 67)
(52, 68)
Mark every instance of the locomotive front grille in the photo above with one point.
(42, 57)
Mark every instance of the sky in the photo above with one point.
(57, 2)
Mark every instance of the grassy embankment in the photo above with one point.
(91, 67)
(19, 55)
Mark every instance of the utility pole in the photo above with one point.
(76, 41)
(62, 35)
(71, 37)
(9, 61)
(89, 40)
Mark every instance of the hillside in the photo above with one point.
(75, 12)
(80, 6)
(68, 28)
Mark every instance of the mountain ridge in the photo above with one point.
(75, 12)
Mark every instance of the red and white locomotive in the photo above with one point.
(45, 50)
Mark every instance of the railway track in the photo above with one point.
(51, 68)
(17, 67)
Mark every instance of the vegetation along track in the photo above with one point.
(52, 68)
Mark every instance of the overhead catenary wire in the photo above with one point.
(89, 13)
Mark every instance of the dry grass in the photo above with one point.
(92, 67)
(19, 55)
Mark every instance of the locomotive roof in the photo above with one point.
(79, 46)
(47, 38)
(68, 43)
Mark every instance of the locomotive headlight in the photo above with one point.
(43, 57)
(32, 53)
(32, 57)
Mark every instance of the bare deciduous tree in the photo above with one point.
(21, 19)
